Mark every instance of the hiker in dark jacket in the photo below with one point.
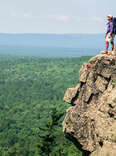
(109, 36)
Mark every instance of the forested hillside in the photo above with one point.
(32, 107)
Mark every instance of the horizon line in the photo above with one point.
(12, 33)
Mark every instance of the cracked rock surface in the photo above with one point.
(90, 122)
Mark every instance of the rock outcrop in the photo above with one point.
(90, 122)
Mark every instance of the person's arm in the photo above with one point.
(111, 28)
(108, 26)
(107, 30)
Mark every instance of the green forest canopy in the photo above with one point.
(32, 107)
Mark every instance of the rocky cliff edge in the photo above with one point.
(90, 122)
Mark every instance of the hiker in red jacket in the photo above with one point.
(110, 34)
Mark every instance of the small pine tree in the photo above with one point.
(47, 136)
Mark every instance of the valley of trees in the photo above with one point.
(32, 107)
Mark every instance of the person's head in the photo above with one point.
(109, 17)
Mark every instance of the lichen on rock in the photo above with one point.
(91, 120)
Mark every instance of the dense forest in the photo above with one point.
(32, 107)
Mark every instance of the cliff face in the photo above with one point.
(91, 120)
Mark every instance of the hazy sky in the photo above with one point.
(55, 16)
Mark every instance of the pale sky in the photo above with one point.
(55, 16)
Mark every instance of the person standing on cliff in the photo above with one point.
(110, 34)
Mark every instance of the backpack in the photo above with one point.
(114, 25)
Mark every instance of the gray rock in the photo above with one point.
(91, 120)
